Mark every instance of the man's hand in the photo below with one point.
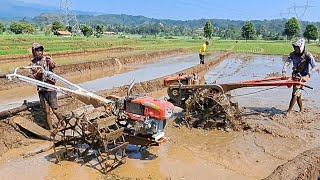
(305, 78)
(39, 71)
(50, 63)
(48, 58)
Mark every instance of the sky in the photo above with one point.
(307, 10)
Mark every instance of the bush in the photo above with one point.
(122, 36)
(196, 37)
(169, 37)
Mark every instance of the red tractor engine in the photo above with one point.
(145, 115)
(182, 79)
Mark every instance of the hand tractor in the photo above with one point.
(210, 105)
(105, 126)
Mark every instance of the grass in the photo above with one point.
(13, 45)
(20, 44)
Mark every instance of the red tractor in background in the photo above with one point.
(212, 102)
(181, 79)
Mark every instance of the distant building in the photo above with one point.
(63, 33)
(109, 33)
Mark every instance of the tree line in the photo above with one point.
(248, 31)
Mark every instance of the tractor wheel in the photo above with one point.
(209, 109)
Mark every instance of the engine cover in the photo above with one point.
(151, 127)
(145, 115)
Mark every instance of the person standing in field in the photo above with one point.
(46, 96)
(301, 60)
(202, 50)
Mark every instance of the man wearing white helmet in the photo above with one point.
(301, 60)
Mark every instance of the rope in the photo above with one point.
(256, 91)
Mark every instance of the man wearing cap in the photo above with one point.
(301, 60)
(45, 95)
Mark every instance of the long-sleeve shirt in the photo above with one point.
(297, 61)
(37, 74)
(203, 49)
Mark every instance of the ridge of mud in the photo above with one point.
(304, 166)
(10, 138)
(9, 58)
(72, 69)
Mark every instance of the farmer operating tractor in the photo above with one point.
(105, 125)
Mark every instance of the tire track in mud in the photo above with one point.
(108, 64)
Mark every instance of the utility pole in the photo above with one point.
(299, 10)
(68, 16)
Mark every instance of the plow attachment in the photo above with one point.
(210, 105)
(80, 137)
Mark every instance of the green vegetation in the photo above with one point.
(292, 28)
(2, 28)
(198, 29)
(22, 28)
(99, 30)
(311, 32)
(13, 45)
(57, 26)
(20, 44)
(248, 31)
(86, 30)
(208, 30)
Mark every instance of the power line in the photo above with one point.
(297, 8)
(68, 17)
(297, 11)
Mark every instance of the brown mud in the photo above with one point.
(11, 137)
(139, 88)
(304, 166)
(107, 65)
(264, 140)
(10, 58)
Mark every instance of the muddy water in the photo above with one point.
(42, 166)
(177, 159)
(198, 154)
(144, 72)
(100, 79)
(243, 68)
(275, 138)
